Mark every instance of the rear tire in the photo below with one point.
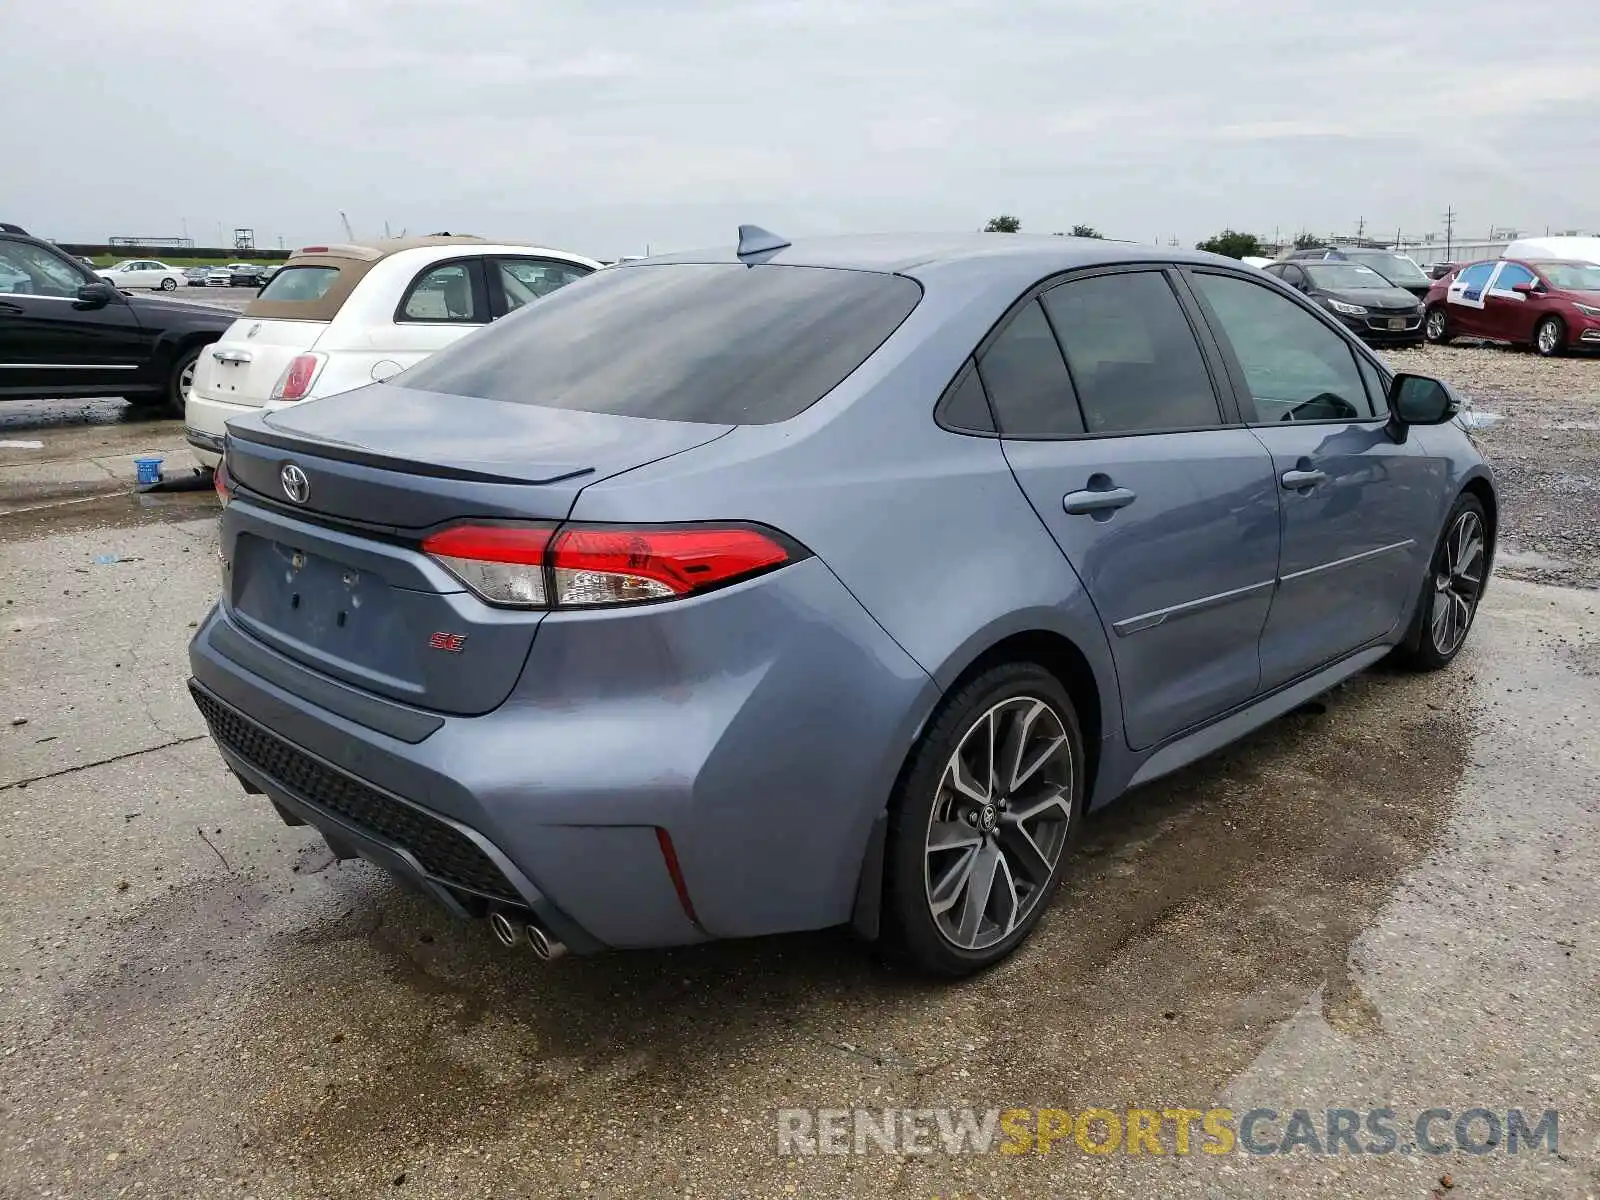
(975, 853)
(1550, 337)
(1450, 591)
(169, 284)
(1436, 326)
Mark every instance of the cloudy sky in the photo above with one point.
(611, 125)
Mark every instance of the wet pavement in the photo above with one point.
(1388, 899)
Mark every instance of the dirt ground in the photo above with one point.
(1388, 900)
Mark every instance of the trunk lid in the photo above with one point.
(335, 581)
(242, 366)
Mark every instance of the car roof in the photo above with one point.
(907, 253)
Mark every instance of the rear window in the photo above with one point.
(718, 343)
(299, 283)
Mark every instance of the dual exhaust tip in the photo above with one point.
(545, 946)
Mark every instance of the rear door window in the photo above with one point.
(450, 293)
(299, 283)
(1133, 356)
(711, 342)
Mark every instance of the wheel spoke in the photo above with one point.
(1019, 846)
(952, 835)
(943, 894)
(1441, 619)
(980, 883)
(1009, 896)
(960, 777)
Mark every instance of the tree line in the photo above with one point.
(1229, 243)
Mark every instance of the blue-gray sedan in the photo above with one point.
(794, 586)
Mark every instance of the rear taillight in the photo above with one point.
(298, 377)
(220, 481)
(502, 563)
(582, 566)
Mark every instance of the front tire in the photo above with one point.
(981, 820)
(1436, 328)
(1550, 337)
(169, 284)
(1450, 593)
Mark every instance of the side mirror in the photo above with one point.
(1525, 289)
(97, 295)
(1419, 400)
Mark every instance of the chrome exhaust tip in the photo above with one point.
(548, 948)
(504, 931)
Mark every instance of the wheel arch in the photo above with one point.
(1480, 487)
(1056, 653)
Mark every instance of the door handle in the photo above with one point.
(1092, 500)
(1296, 480)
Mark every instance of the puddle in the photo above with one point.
(19, 415)
(123, 509)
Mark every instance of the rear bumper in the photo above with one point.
(205, 424)
(761, 727)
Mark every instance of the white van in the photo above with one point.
(1567, 249)
(338, 316)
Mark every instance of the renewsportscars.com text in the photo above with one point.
(1256, 1131)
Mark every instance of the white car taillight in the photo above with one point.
(298, 377)
(582, 566)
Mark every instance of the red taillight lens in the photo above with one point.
(600, 565)
(589, 565)
(502, 563)
(220, 481)
(297, 377)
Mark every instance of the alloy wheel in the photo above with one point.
(186, 381)
(1458, 582)
(999, 822)
(1549, 337)
(1435, 325)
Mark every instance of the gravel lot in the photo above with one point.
(1546, 452)
(1391, 901)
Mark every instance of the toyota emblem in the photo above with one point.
(295, 484)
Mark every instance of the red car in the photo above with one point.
(1551, 306)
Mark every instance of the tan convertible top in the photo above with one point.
(352, 260)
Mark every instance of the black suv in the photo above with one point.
(65, 332)
(1396, 268)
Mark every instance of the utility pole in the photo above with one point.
(1449, 231)
(1398, 240)
(1361, 228)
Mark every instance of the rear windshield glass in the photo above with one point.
(299, 283)
(1396, 268)
(718, 343)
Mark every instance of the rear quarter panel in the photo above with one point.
(926, 528)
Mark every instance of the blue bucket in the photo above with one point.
(149, 470)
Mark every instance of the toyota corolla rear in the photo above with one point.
(606, 733)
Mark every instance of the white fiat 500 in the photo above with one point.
(339, 316)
